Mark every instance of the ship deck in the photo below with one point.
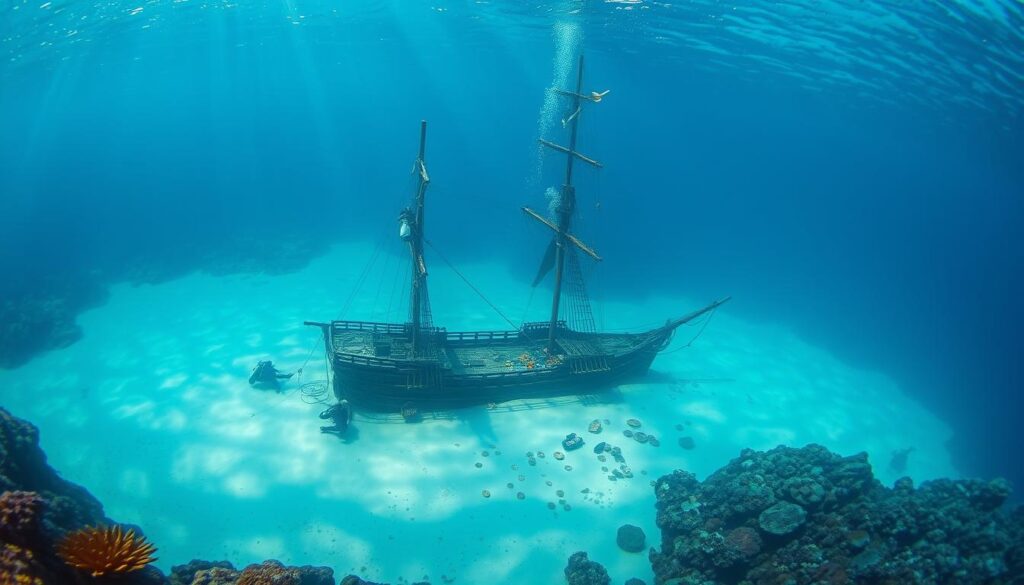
(480, 352)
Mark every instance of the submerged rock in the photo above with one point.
(630, 538)
(185, 574)
(583, 571)
(782, 518)
(687, 443)
(810, 516)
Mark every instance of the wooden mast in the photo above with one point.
(419, 267)
(566, 206)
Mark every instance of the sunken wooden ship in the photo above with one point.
(416, 367)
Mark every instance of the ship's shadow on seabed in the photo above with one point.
(479, 417)
(658, 377)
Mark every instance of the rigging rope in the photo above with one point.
(362, 278)
(470, 284)
(314, 392)
(344, 309)
(699, 333)
(529, 303)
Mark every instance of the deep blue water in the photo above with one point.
(853, 170)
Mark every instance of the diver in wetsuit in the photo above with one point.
(341, 415)
(267, 376)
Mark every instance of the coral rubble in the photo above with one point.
(809, 516)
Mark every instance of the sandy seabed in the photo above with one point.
(152, 412)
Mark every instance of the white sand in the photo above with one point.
(152, 412)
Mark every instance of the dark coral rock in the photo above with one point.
(743, 543)
(826, 520)
(747, 495)
(309, 575)
(354, 580)
(269, 573)
(804, 491)
(635, 581)
(23, 467)
(582, 571)
(19, 566)
(678, 507)
(215, 576)
(39, 508)
(184, 574)
(630, 538)
(149, 575)
(782, 518)
(41, 320)
(19, 450)
(20, 517)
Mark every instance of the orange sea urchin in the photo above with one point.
(104, 550)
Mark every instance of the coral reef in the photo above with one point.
(105, 550)
(184, 574)
(23, 467)
(38, 309)
(37, 508)
(785, 516)
(34, 323)
(809, 516)
(269, 572)
(20, 517)
(18, 565)
(583, 571)
(353, 580)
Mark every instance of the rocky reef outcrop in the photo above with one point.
(786, 516)
(58, 505)
(38, 309)
(810, 516)
(269, 572)
(582, 571)
(38, 508)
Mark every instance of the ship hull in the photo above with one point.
(424, 386)
(514, 371)
(383, 367)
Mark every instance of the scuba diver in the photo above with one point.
(265, 375)
(341, 415)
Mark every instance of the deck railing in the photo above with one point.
(378, 327)
(364, 360)
(477, 335)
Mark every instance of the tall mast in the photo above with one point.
(554, 257)
(566, 206)
(419, 267)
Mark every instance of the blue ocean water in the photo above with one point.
(852, 171)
